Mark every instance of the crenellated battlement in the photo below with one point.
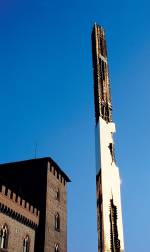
(58, 173)
(18, 200)
(16, 207)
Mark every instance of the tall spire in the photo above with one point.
(101, 76)
(109, 212)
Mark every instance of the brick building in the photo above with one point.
(33, 206)
(19, 222)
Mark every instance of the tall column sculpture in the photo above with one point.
(109, 212)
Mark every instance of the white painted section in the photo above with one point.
(97, 149)
(110, 179)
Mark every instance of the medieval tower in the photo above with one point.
(109, 212)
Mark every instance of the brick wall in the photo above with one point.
(16, 234)
(53, 205)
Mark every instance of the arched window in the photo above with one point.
(58, 194)
(4, 236)
(57, 222)
(26, 243)
(56, 248)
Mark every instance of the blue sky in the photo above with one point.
(46, 99)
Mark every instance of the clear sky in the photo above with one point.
(46, 99)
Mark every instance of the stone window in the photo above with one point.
(26, 243)
(56, 248)
(57, 222)
(4, 237)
